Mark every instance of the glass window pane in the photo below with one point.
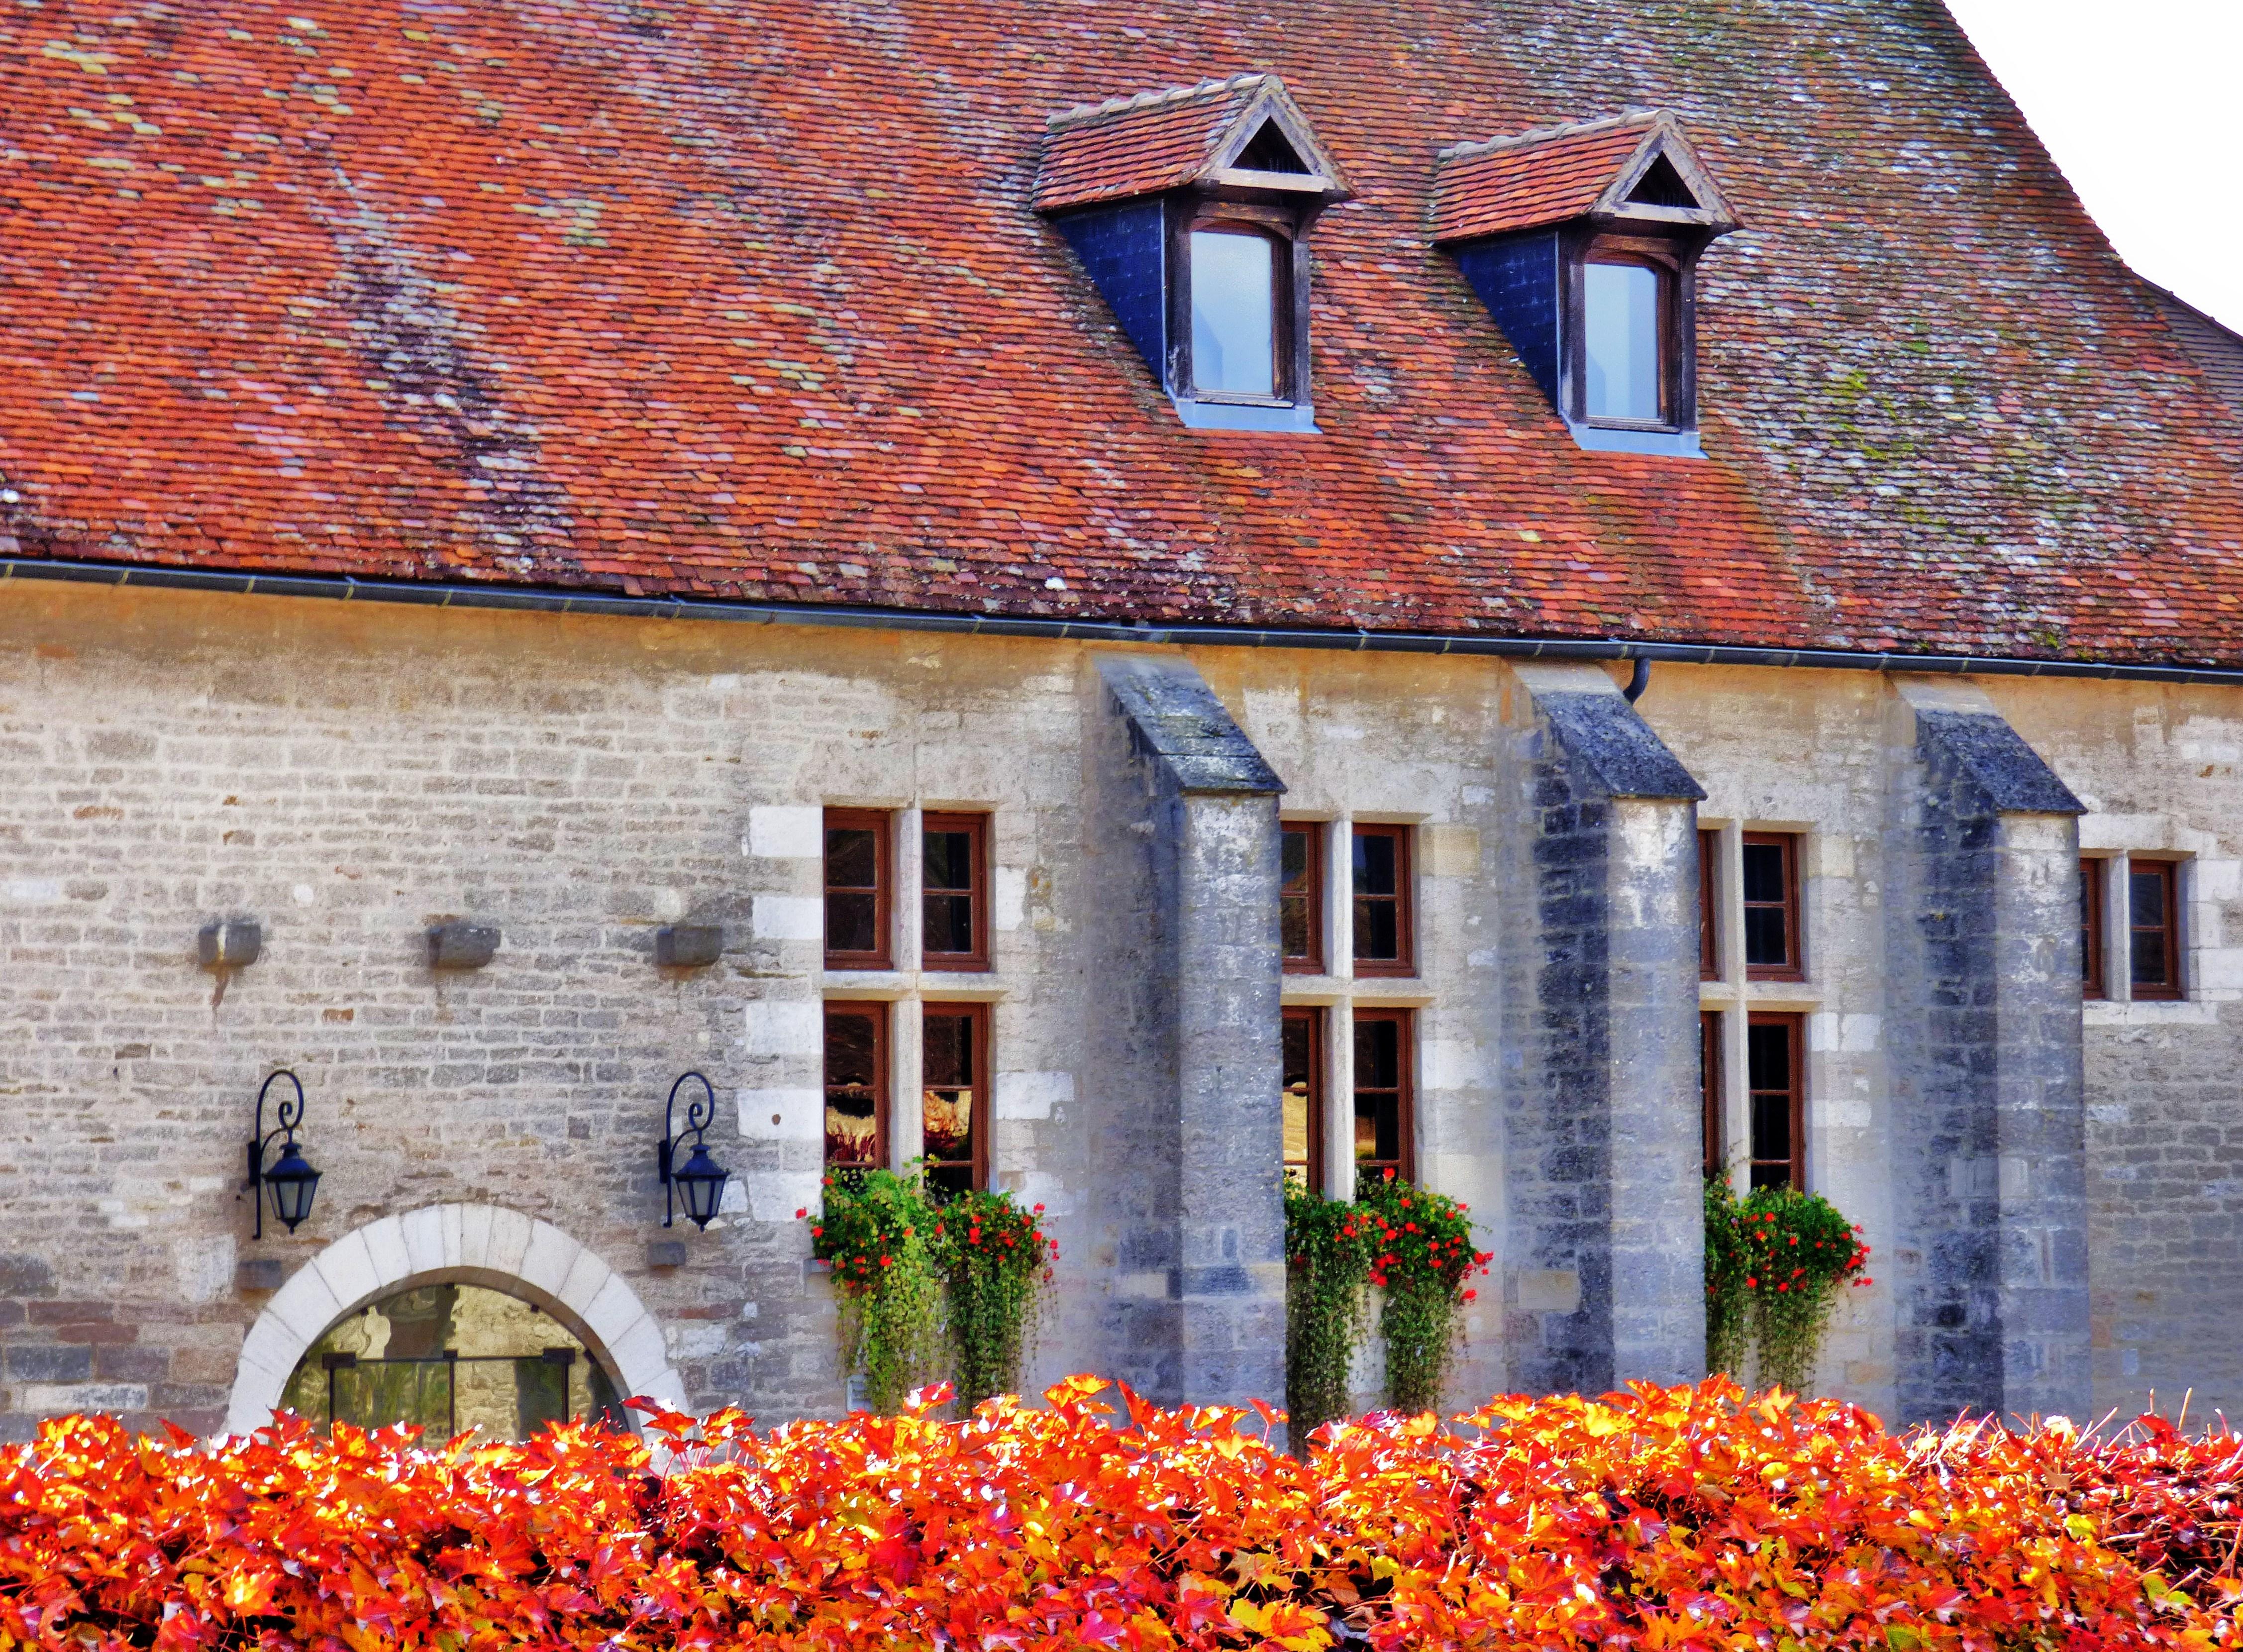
(1767, 1058)
(1771, 1116)
(1378, 1055)
(1374, 864)
(852, 1088)
(2147, 890)
(1765, 941)
(853, 922)
(949, 860)
(1620, 331)
(1293, 926)
(948, 922)
(2149, 963)
(1298, 1047)
(1377, 935)
(1234, 314)
(1763, 869)
(1294, 850)
(851, 858)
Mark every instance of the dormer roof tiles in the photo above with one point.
(1551, 176)
(1154, 141)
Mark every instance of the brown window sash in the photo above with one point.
(1386, 1104)
(1385, 925)
(2094, 885)
(1776, 1074)
(856, 1117)
(1772, 926)
(1709, 1088)
(2154, 921)
(1303, 1045)
(1709, 963)
(941, 907)
(1301, 897)
(956, 1097)
(849, 898)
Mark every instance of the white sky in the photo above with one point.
(2137, 99)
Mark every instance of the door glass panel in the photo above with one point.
(446, 1358)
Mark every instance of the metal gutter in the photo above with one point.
(347, 588)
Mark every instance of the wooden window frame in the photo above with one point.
(977, 826)
(880, 1013)
(1314, 1017)
(2168, 872)
(1285, 224)
(979, 1016)
(1404, 898)
(1711, 1092)
(1311, 962)
(881, 824)
(1709, 948)
(1794, 926)
(1675, 258)
(2094, 942)
(1406, 1072)
(1797, 1025)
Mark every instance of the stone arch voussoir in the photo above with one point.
(466, 1244)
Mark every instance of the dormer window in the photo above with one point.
(1583, 242)
(1628, 304)
(1190, 211)
(1236, 306)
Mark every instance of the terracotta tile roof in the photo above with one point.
(749, 297)
(1140, 145)
(1538, 177)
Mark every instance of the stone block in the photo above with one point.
(233, 943)
(688, 946)
(458, 945)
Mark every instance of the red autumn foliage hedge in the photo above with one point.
(1684, 1518)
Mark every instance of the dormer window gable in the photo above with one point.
(1190, 210)
(1583, 242)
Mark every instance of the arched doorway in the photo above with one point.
(445, 1357)
(514, 1256)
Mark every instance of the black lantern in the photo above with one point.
(292, 1181)
(698, 1185)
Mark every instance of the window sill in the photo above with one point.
(1673, 444)
(2148, 1012)
(1299, 418)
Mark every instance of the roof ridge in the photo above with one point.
(1083, 113)
(1630, 114)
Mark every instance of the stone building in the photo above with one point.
(1533, 595)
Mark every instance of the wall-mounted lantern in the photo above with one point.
(698, 1185)
(291, 1182)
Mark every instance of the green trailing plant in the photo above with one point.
(1728, 1299)
(1421, 1258)
(1801, 1249)
(995, 1262)
(1773, 1265)
(1327, 1312)
(877, 1232)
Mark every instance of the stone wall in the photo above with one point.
(349, 776)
